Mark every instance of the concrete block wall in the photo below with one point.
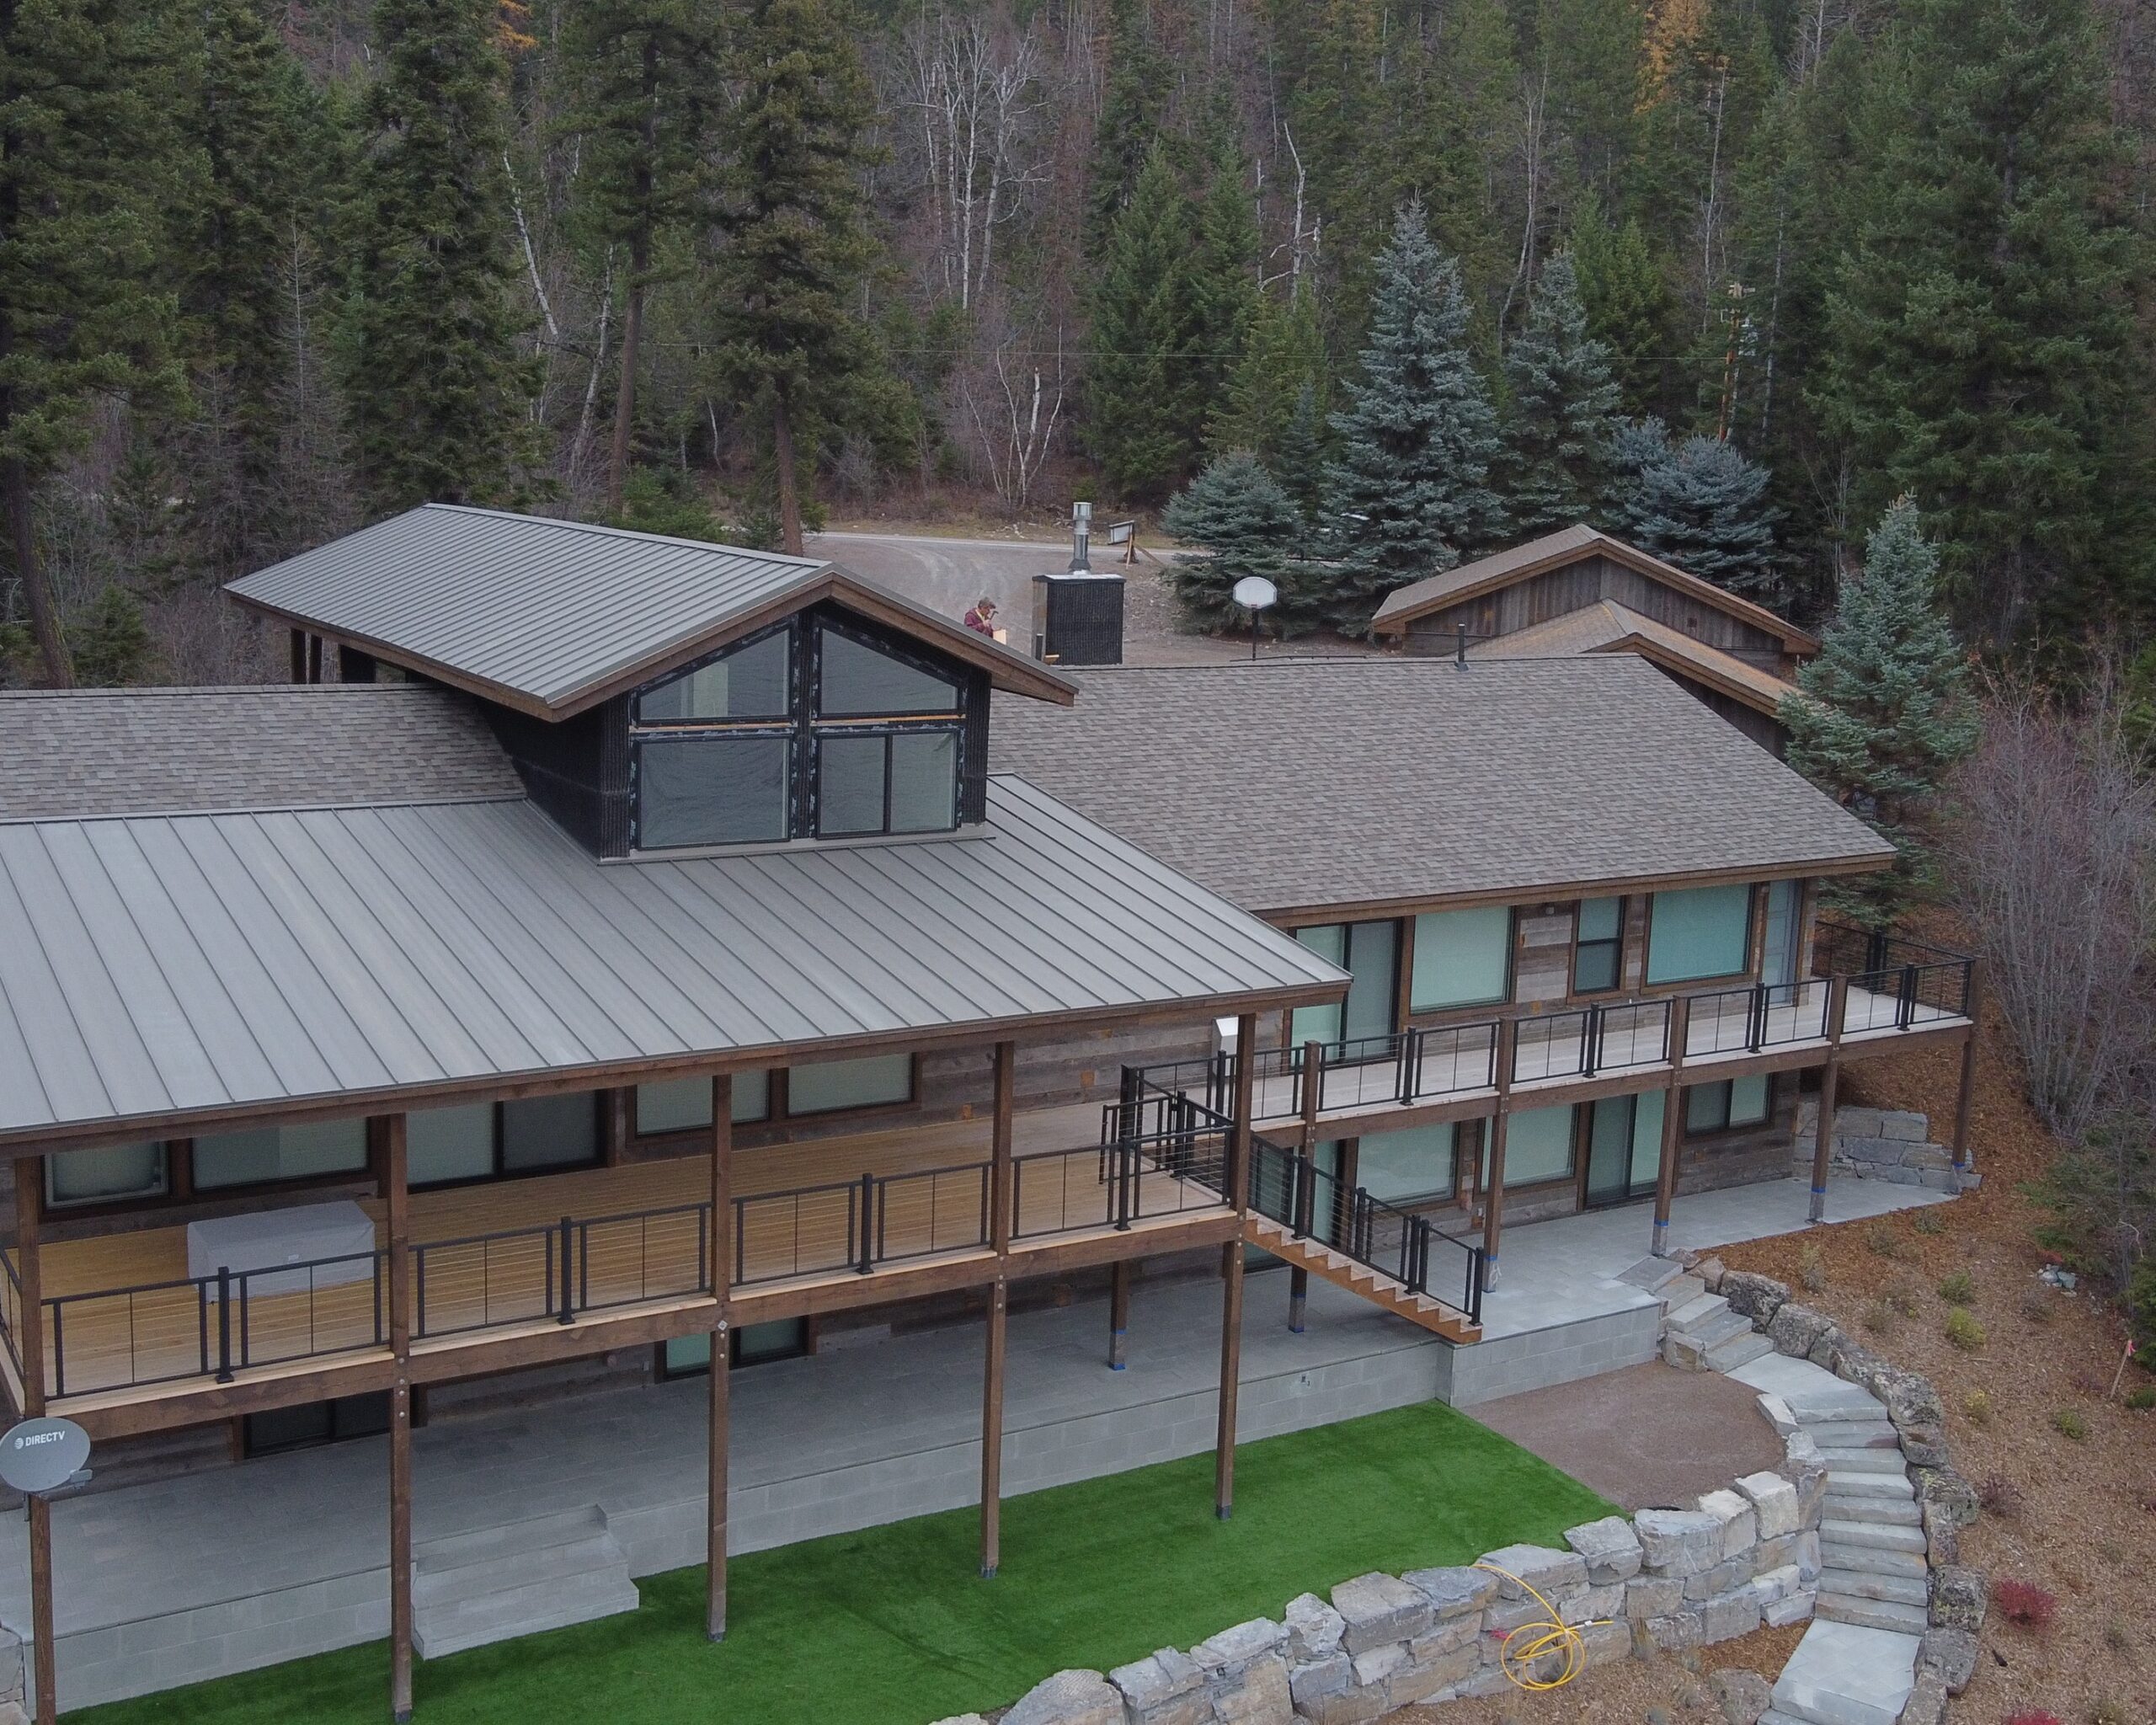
(1562, 1353)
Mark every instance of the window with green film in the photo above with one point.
(1699, 932)
(1462, 958)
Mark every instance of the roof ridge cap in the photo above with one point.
(601, 527)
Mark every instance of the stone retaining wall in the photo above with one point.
(1662, 1581)
(1879, 1144)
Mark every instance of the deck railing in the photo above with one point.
(1593, 1039)
(857, 1225)
(1403, 1245)
(1764, 1015)
(1894, 983)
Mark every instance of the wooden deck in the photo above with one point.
(490, 1257)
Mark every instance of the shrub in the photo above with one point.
(2142, 1399)
(1963, 1330)
(1814, 1273)
(2069, 1423)
(1882, 1240)
(1931, 1220)
(1999, 1496)
(1976, 1407)
(1959, 1289)
(2036, 1306)
(2117, 1637)
(2104, 1710)
(1880, 1318)
(1904, 1298)
(2024, 1603)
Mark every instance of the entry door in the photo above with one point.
(1624, 1147)
(1784, 899)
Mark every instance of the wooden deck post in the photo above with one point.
(1231, 1269)
(396, 1194)
(719, 1436)
(1298, 1278)
(1965, 1095)
(29, 1338)
(1118, 1312)
(1673, 1124)
(1000, 1222)
(1823, 1140)
(1493, 1199)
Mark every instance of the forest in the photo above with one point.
(1729, 276)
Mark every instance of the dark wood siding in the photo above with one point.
(576, 769)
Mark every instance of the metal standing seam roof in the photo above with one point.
(155, 968)
(1552, 551)
(1293, 785)
(1606, 625)
(553, 614)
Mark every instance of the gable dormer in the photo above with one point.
(665, 697)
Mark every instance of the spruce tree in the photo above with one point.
(1128, 131)
(645, 107)
(1564, 410)
(786, 291)
(1980, 342)
(1884, 712)
(1700, 505)
(1283, 357)
(1408, 493)
(1247, 525)
(439, 394)
(1224, 268)
(80, 317)
(1627, 304)
(1144, 401)
(1297, 456)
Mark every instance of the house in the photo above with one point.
(616, 949)
(1579, 591)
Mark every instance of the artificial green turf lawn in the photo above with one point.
(892, 1626)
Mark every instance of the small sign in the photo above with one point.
(1255, 593)
(1119, 533)
(41, 1455)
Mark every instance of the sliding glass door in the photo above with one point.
(1370, 951)
(1624, 1147)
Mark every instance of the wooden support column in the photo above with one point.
(1493, 1199)
(1118, 1313)
(1823, 1140)
(1964, 1096)
(1298, 1278)
(1673, 1124)
(29, 1344)
(719, 1437)
(396, 1195)
(999, 1311)
(1231, 1269)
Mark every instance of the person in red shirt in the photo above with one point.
(981, 619)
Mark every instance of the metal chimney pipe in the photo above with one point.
(1082, 536)
(1459, 653)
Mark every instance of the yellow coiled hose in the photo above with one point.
(1531, 1643)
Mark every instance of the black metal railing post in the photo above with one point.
(867, 1261)
(1756, 1040)
(1905, 1007)
(1302, 1191)
(1591, 1041)
(567, 1313)
(59, 1352)
(224, 1324)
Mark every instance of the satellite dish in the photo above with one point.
(1255, 593)
(41, 1455)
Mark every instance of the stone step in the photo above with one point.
(1846, 1674)
(1868, 1482)
(1682, 1291)
(1726, 1326)
(552, 1604)
(1655, 1274)
(1697, 1312)
(1874, 1511)
(1772, 1717)
(1862, 1461)
(1910, 1620)
(517, 1578)
(1852, 1433)
(1871, 1560)
(1877, 1535)
(1864, 1584)
(1738, 1350)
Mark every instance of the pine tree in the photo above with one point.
(1409, 493)
(1297, 457)
(1248, 526)
(785, 289)
(79, 316)
(438, 392)
(1700, 505)
(1224, 268)
(1884, 711)
(1145, 405)
(1982, 350)
(1627, 304)
(1129, 129)
(1564, 410)
(1283, 357)
(646, 105)
(112, 641)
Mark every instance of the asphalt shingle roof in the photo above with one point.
(93, 752)
(1606, 624)
(1302, 784)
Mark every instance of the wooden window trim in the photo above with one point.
(1704, 984)
(1726, 1130)
(1576, 993)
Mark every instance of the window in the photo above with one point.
(1730, 1102)
(830, 1085)
(1699, 932)
(1624, 1148)
(1784, 933)
(1370, 951)
(1416, 1163)
(684, 1104)
(1537, 1147)
(107, 1176)
(808, 731)
(484, 1140)
(1462, 958)
(780, 1339)
(1598, 946)
(315, 1423)
(266, 1154)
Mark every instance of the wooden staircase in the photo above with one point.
(1344, 1272)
